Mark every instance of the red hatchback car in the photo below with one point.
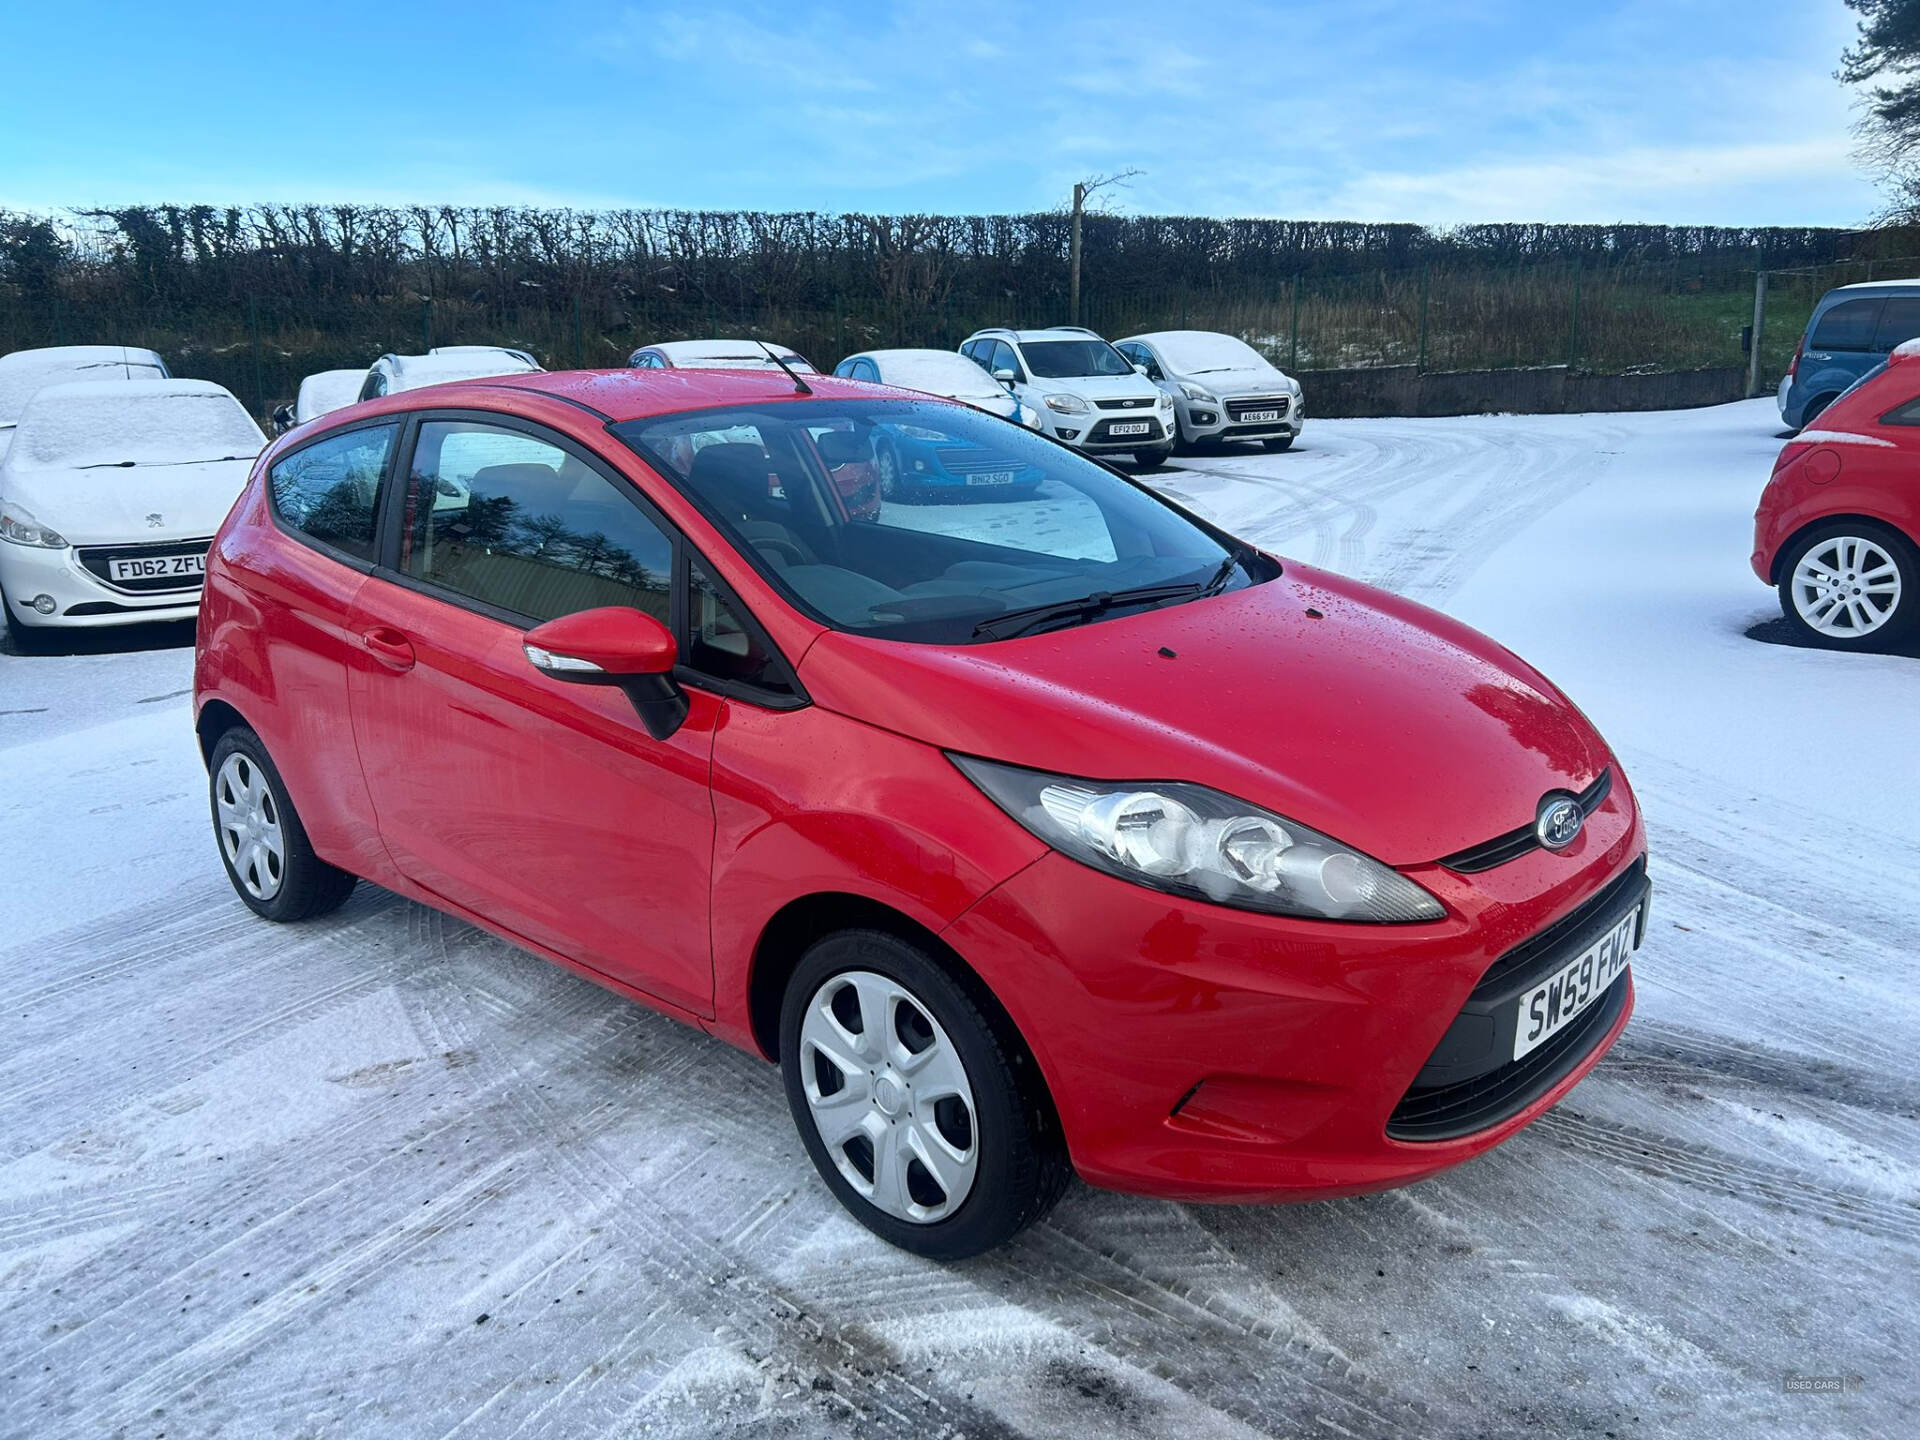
(1031, 838)
(1837, 532)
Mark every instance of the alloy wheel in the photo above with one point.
(1846, 586)
(249, 826)
(889, 1096)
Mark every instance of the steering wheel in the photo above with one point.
(795, 555)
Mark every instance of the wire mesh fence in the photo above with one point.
(1606, 319)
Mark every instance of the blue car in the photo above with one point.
(913, 463)
(1852, 330)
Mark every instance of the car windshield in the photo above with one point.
(933, 522)
(1066, 359)
(1196, 353)
(132, 422)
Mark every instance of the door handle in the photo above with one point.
(389, 647)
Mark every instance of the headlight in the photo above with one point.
(1190, 840)
(1068, 404)
(1194, 392)
(1166, 401)
(22, 529)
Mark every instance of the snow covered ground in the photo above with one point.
(383, 1175)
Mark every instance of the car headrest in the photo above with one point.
(733, 474)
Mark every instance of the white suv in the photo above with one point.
(1084, 391)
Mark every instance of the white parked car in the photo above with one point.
(716, 355)
(1084, 391)
(320, 394)
(391, 374)
(22, 372)
(1222, 388)
(109, 497)
(937, 372)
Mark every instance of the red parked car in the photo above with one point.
(1837, 531)
(1066, 835)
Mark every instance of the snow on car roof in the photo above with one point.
(939, 372)
(327, 390)
(409, 372)
(698, 354)
(24, 371)
(1194, 351)
(138, 422)
(1879, 284)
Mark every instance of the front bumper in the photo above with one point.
(1196, 1052)
(83, 599)
(1207, 421)
(1094, 433)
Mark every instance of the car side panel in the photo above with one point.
(274, 644)
(808, 802)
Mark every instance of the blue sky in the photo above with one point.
(1700, 111)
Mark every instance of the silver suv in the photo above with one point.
(1084, 391)
(1223, 388)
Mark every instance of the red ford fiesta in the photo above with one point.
(1030, 836)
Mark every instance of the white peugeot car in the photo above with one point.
(1084, 391)
(391, 374)
(1222, 388)
(717, 355)
(24, 371)
(937, 372)
(109, 497)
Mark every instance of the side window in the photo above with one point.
(330, 491)
(1907, 414)
(869, 371)
(1847, 326)
(374, 386)
(721, 646)
(516, 522)
(1899, 322)
(1005, 359)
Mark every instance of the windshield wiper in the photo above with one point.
(1020, 622)
(1241, 555)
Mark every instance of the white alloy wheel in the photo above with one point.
(1846, 586)
(889, 1096)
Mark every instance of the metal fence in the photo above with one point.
(1619, 318)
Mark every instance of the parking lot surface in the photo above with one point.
(381, 1174)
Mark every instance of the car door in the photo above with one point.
(543, 807)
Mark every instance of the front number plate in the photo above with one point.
(1259, 417)
(160, 567)
(1549, 1008)
(991, 477)
(1129, 427)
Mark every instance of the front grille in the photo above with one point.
(1126, 404)
(97, 560)
(1448, 1112)
(1238, 407)
(1465, 1086)
(1517, 842)
(1103, 433)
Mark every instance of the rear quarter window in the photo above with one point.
(1850, 325)
(329, 492)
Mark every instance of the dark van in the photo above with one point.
(1851, 331)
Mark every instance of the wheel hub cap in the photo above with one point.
(1845, 586)
(247, 821)
(889, 1097)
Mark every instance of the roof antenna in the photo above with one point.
(800, 386)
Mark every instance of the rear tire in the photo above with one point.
(1815, 406)
(262, 843)
(925, 1074)
(1851, 585)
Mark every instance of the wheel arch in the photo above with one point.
(1833, 517)
(215, 719)
(795, 927)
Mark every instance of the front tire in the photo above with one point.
(1279, 442)
(1152, 459)
(1851, 585)
(261, 841)
(923, 1119)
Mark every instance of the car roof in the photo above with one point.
(70, 357)
(1044, 332)
(627, 394)
(1876, 285)
(438, 367)
(684, 350)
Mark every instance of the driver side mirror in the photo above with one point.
(1138, 368)
(615, 645)
(282, 419)
(1005, 376)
